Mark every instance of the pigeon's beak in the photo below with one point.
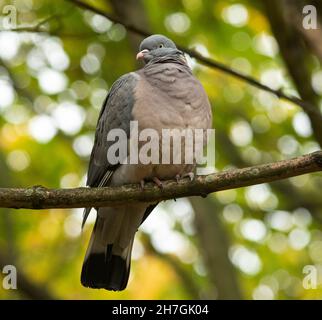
(140, 55)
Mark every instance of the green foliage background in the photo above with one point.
(273, 230)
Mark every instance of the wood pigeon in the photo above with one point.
(163, 94)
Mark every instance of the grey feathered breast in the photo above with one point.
(169, 96)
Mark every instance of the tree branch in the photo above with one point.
(294, 197)
(38, 197)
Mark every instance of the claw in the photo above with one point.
(142, 182)
(158, 182)
(191, 175)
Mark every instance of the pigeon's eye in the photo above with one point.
(161, 45)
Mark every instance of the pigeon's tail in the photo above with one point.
(108, 257)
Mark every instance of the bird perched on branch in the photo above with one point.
(162, 95)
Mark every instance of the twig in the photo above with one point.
(38, 197)
(15, 82)
(36, 27)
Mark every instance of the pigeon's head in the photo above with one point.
(156, 46)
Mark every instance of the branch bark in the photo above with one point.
(38, 197)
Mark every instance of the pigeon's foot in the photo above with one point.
(191, 175)
(157, 182)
